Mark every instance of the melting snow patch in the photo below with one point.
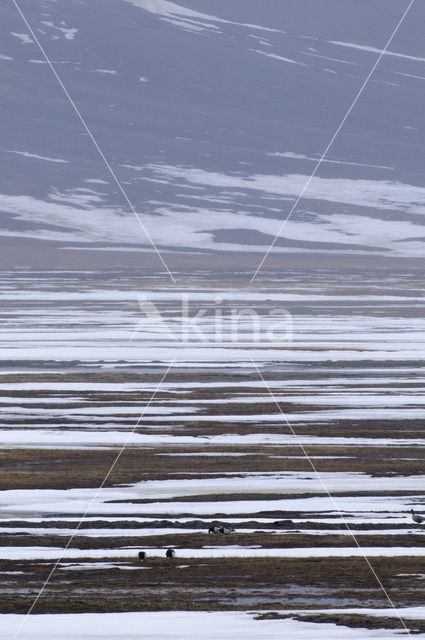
(23, 37)
(68, 33)
(104, 71)
(362, 47)
(188, 19)
(26, 154)
(281, 58)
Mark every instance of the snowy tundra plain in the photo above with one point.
(315, 464)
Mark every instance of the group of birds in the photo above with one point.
(220, 529)
(170, 553)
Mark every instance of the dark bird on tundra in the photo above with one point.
(170, 553)
(214, 529)
(415, 518)
(142, 556)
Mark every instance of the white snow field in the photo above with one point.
(190, 625)
(183, 625)
(230, 551)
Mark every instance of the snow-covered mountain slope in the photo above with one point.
(212, 115)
